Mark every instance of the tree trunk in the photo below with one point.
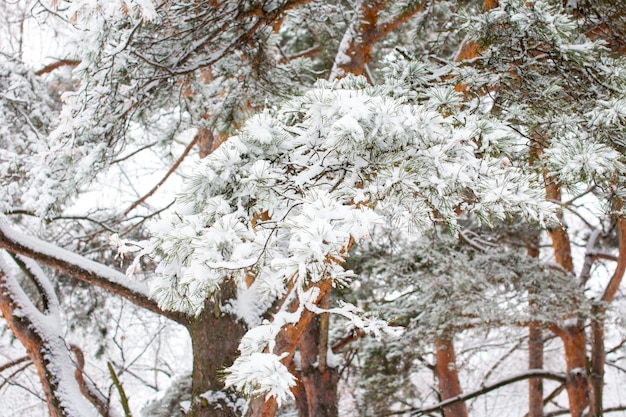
(39, 349)
(356, 46)
(215, 337)
(535, 361)
(318, 379)
(573, 336)
(574, 342)
(535, 341)
(598, 356)
(448, 377)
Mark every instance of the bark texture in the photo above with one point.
(214, 337)
(319, 382)
(448, 377)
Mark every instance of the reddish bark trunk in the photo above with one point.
(535, 343)
(574, 342)
(319, 382)
(364, 35)
(573, 336)
(287, 342)
(448, 377)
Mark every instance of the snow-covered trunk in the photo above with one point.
(21, 329)
(317, 377)
(286, 344)
(448, 377)
(215, 337)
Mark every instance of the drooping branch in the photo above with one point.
(82, 269)
(486, 389)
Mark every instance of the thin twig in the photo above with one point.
(167, 175)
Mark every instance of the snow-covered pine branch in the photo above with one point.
(281, 203)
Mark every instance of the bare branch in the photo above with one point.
(484, 390)
(167, 175)
(58, 64)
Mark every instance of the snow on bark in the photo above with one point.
(42, 335)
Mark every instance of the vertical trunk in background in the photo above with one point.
(535, 343)
(598, 356)
(448, 377)
(535, 361)
(598, 353)
(215, 337)
(573, 333)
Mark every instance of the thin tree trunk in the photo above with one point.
(535, 343)
(215, 337)
(535, 361)
(572, 335)
(598, 356)
(448, 377)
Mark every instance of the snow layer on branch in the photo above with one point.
(48, 328)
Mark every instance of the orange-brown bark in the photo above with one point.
(448, 377)
(575, 342)
(318, 380)
(535, 343)
(367, 33)
(25, 332)
(573, 336)
(287, 342)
